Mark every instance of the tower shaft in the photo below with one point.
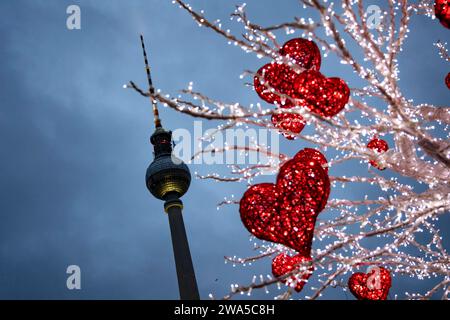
(187, 282)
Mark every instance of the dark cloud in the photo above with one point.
(75, 149)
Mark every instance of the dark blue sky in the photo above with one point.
(75, 145)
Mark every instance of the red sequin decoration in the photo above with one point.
(305, 53)
(442, 12)
(380, 146)
(283, 264)
(275, 78)
(305, 189)
(312, 156)
(286, 212)
(447, 80)
(280, 77)
(374, 285)
(322, 95)
(290, 124)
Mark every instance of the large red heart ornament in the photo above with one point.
(286, 212)
(283, 264)
(373, 285)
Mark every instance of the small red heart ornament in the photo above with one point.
(379, 146)
(283, 264)
(321, 95)
(290, 124)
(373, 285)
(286, 212)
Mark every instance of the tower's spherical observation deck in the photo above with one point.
(166, 174)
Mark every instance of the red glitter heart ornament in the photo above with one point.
(442, 12)
(447, 80)
(304, 191)
(272, 79)
(290, 124)
(259, 211)
(373, 285)
(312, 156)
(322, 95)
(379, 146)
(283, 264)
(305, 53)
(286, 212)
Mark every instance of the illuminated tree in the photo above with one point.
(377, 109)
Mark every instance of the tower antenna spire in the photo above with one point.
(151, 89)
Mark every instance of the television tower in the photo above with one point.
(168, 179)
